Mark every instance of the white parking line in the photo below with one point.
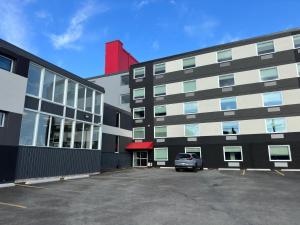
(13, 205)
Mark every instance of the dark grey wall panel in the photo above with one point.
(84, 116)
(52, 108)
(110, 117)
(97, 119)
(8, 158)
(112, 161)
(9, 134)
(31, 103)
(70, 113)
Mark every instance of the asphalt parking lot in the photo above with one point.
(158, 197)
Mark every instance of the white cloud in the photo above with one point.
(142, 3)
(155, 45)
(42, 14)
(206, 28)
(75, 28)
(228, 38)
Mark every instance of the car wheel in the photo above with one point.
(195, 168)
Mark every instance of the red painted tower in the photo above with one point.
(117, 59)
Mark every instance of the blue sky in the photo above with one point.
(72, 33)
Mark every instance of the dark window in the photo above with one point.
(117, 120)
(124, 80)
(125, 99)
(117, 140)
(2, 118)
(5, 63)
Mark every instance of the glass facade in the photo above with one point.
(269, 74)
(2, 119)
(5, 63)
(297, 41)
(27, 128)
(59, 89)
(34, 77)
(71, 93)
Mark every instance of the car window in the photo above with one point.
(195, 156)
(183, 156)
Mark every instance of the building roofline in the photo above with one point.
(108, 75)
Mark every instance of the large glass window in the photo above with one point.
(159, 90)
(276, 125)
(97, 102)
(6, 63)
(55, 131)
(230, 127)
(81, 97)
(139, 113)
(33, 83)
(89, 100)
(226, 80)
(161, 154)
(125, 99)
(160, 110)
(86, 140)
(138, 93)
(160, 132)
(67, 138)
(265, 47)
(125, 80)
(272, 99)
(27, 128)
(139, 133)
(59, 89)
(95, 141)
(48, 85)
(268, 74)
(189, 86)
(279, 153)
(297, 41)
(2, 119)
(233, 153)
(228, 103)
(159, 68)
(78, 135)
(191, 130)
(42, 138)
(188, 63)
(190, 107)
(71, 93)
(224, 55)
(138, 73)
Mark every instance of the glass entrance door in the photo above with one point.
(140, 159)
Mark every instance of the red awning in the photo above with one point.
(140, 145)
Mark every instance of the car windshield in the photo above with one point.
(183, 156)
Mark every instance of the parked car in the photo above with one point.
(188, 161)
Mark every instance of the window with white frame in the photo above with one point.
(53, 87)
(276, 125)
(160, 90)
(33, 82)
(298, 67)
(272, 99)
(6, 63)
(279, 153)
(139, 73)
(125, 99)
(191, 130)
(82, 135)
(231, 127)
(71, 93)
(269, 74)
(98, 99)
(161, 154)
(194, 150)
(159, 68)
(138, 133)
(224, 55)
(188, 62)
(265, 47)
(228, 103)
(226, 80)
(138, 93)
(68, 133)
(89, 100)
(160, 131)
(96, 137)
(189, 86)
(296, 41)
(125, 80)
(27, 127)
(190, 107)
(160, 110)
(233, 153)
(139, 113)
(81, 97)
(59, 89)
(2, 119)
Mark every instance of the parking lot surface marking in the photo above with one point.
(13, 205)
(280, 173)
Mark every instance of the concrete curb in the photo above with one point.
(7, 185)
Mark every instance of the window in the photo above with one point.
(117, 144)
(161, 154)
(89, 100)
(276, 125)
(139, 73)
(33, 83)
(42, 138)
(86, 137)
(297, 41)
(159, 90)
(160, 132)
(139, 113)
(125, 99)
(138, 93)
(159, 68)
(298, 66)
(160, 110)
(80, 97)
(97, 102)
(194, 150)
(71, 93)
(279, 153)
(2, 119)
(226, 80)
(230, 127)
(124, 80)
(224, 55)
(67, 138)
(59, 89)
(95, 140)
(191, 130)
(78, 134)
(118, 120)
(55, 128)
(265, 47)
(139, 133)
(188, 63)
(233, 153)
(6, 63)
(48, 85)
(228, 103)
(268, 74)
(190, 107)
(272, 99)
(189, 86)
(27, 128)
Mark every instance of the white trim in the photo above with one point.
(285, 125)
(291, 170)
(188, 58)
(143, 108)
(133, 129)
(192, 124)
(159, 86)
(73, 177)
(297, 35)
(265, 42)
(155, 74)
(5, 185)
(197, 107)
(224, 50)
(160, 106)
(266, 68)
(182, 86)
(279, 160)
(133, 93)
(2, 122)
(194, 148)
(42, 180)
(224, 110)
(241, 150)
(135, 72)
(161, 160)
(229, 169)
(223, 75)
(263, 98)
(160, 126)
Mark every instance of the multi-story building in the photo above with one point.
(237, 105)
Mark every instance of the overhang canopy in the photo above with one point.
(140, 146)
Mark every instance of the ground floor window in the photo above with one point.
(194, 150)
(2, 118)
(233, 153)
(160, 154)
(27, 128)
(279, 153)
